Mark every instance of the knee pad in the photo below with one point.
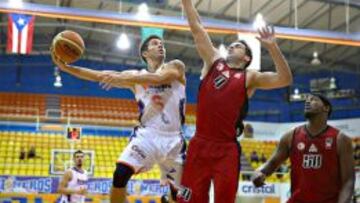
(164, 199)
(122, 175)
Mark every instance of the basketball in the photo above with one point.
(68, 46)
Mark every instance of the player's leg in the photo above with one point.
(172, 167)
(122, 175)
(171, 175)
(226, 175)
(196, 176)
(137, 157)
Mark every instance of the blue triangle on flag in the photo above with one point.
(20, 20)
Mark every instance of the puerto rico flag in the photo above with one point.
(20, 33)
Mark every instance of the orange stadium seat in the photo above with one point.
(108, 109)
(22, 104)
(80, 109)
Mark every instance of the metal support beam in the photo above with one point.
(353, 19)
(225, 8)
(357, 53)
(203, 13)
(93, 25)
(341, 57)
(355, 4)
(266, 5)
(291, 12)
(198, 3)
(317, 15)
(329, 24)
(310, 17)
(250, 8)
(311, 22)
(337, 28)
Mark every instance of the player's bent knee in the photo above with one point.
(122, 175)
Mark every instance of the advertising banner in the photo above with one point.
(95, 185)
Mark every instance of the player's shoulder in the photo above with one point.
(69, 170)
(343, 138)
(176, 63)
(289, 136)
(344, 143)
(252, 73)
(68, 173)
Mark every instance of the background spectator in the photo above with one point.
(22, 154)
(254, 157)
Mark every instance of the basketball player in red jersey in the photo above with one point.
(214, 153)
(322, 165)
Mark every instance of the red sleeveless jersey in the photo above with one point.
(222, 103)
(315, 173)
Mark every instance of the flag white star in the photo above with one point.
(21, 21)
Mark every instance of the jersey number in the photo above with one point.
(157, 100)
(312, 161)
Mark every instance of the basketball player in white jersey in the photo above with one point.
(160, 93)
(73, 186)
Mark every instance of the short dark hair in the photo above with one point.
(78, 152)
(145, 45)
(248, 52)
(325, 101)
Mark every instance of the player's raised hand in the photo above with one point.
(258, 179)
(267, 36)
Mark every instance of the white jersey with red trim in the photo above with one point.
(162, 107)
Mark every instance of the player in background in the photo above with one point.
(73, 186)
(322, 163)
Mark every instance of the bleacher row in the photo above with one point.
(89, 108)
(22, 104)
(106, 148)
(265, 148)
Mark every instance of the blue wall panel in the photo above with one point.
(36, 75)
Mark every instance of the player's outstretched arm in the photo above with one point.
(347, 171)
(63, 184)
(203, 43)
(270, 80)
(85, 73)
(174, 70)
(79, 72)
(278, 157)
